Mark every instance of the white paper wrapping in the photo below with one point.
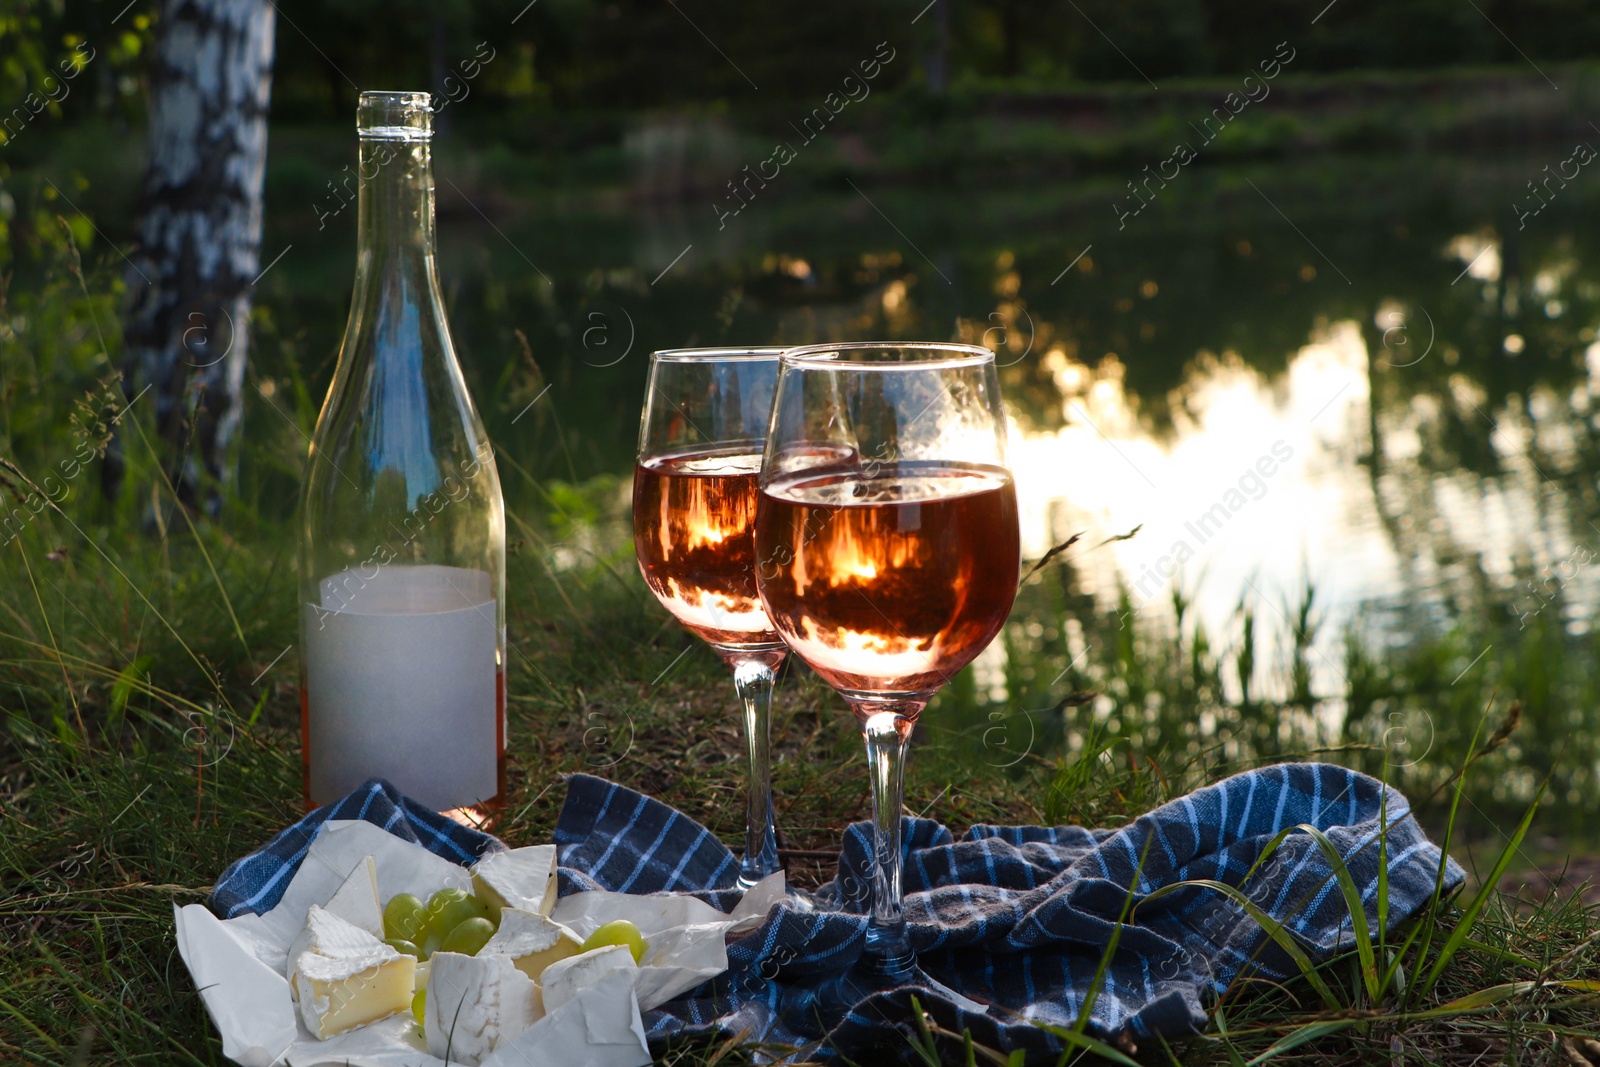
(247, 999)
(598, 1028)
(401, 683)
(238, 964)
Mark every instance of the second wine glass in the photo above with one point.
(694, 507)
(887, 549)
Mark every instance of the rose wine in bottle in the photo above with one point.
(402, 543)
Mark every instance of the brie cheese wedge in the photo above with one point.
(523, 878)
(348, 978)
(531, 941)
(565, 979)
(355, 901)
(475, 1004)
(601, 1028)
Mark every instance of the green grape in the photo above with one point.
(449, 908)
(430, 945)
(618, 932)
(419, 1005)
(404, 917)
(402, 946)
(469, 936)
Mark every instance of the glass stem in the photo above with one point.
(887, 731)
(753, 677)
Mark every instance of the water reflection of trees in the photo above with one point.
(1480, 461)
(1480, 400)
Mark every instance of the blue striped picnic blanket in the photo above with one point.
(1016, 918)
(256, 882)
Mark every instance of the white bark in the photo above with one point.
(186, 330)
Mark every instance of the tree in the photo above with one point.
(185, 330)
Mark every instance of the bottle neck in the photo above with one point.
(395, 227)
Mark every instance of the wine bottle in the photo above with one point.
(402, 546)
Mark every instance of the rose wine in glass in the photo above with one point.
(887, 550)
(899, 577)
(694, 508)
(694, 516)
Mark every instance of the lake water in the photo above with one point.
(1360, 373)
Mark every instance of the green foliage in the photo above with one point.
(59, 62)
(53, 344)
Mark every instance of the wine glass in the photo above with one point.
(694, 505)
(887, 548)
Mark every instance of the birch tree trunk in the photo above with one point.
(186, 326)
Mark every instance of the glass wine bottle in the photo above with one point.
(402, 546)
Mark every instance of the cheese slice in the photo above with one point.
(476, 1003)
(421, 981)
(523, 878)
(565, 979)
(355, 901)
(348, 978)
(531, 941)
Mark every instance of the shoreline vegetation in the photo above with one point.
(976, 134)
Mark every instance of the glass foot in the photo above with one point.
(767, 893)
(801, 900)
(753, 867)
(828, 1000)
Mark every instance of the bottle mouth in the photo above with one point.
(395, 116)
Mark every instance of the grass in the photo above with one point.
(150, 741)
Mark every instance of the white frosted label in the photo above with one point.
(400, 684)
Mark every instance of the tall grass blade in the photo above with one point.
(1300, 1035)
(1234, 1059)
(194, 530)
(9, 1009)
(1273, 928)
(1469, 917)
(1089, 1044)
(139, 684)
(1476, 1000)
(1111, 945)
(128, 680)
(926, 1048)
(49, 630)
(1383, 859)
(1358, 911)
(1398, 958)
(1505, 955)
(1428, 917)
